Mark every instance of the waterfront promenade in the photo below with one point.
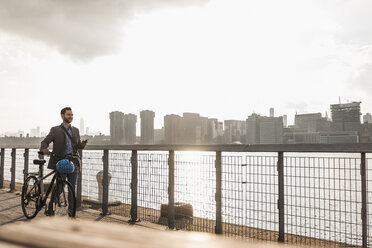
(90, 229)
(301, 194)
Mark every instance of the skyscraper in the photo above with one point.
(285, 121)
(271, 112)
(130, 123)
(271, 130)
(147, 127)
(212, 131)
(311, 123)
(253, 129)
(190, 128)
(346, 117)
(367, 118)
(172, 129)
(235, 130)
(117, 128)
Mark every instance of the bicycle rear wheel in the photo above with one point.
(30, 197)
(63, 200)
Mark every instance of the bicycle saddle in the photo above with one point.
(39, 161)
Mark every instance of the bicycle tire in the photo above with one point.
(30, 198)
(59, 204)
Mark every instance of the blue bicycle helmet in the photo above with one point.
(65, 166)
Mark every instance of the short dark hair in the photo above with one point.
(63, 111)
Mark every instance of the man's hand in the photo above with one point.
(46, 151)
(84, 143)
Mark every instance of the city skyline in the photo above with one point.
(136, 125)
(219, 58)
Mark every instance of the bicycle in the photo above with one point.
(33, 198)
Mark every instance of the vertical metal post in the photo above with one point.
(105, 192)
(364, 198)
(134, 186)
(218, 164)
(79, 181)
(41, 174)
(171, 211)
(13, 169)
(2, 160)
(25, 168)
(281, 195)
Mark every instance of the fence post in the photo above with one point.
(218, 197)
(13, 169)
(2, 159)
(105, 192)
(280, 169)
(79, 181)
(134, 186)
(171, 212)
(25, 168)
(364, 198)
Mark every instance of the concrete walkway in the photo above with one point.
(11, 213)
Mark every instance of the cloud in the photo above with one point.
(362, 79)
(353, 18)
(82, 29)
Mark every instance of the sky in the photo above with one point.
(224, 59)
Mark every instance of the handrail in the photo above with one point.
(319, 148)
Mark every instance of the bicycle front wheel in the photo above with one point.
(63, 200)
(30, 197)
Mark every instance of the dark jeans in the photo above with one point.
(72, 177)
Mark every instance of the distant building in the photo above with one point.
(366, 133)
(341, 137)
(159, 136)
(271, 112)
(190, 128)
(172, 129)
(253, 129)
(147, 127)
(367, 118)
(212, 131)
(306, 137)
(82, 128)
(35, 132)
(202, 130)
(271, 130)
(346, 117)
(285, 121)
(235, 130)
(116, 128)
(311, 123)
(288, 135)
(130, 123)
(220, 133)
(87, 131)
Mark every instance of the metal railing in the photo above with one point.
(307, 194)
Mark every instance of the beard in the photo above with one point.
(67, 120)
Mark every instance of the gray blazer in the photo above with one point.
(58, 137)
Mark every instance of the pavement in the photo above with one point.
(11, 212)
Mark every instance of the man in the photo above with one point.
(63, 145)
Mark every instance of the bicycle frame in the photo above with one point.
(41, 178)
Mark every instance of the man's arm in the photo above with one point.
(45, 143)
